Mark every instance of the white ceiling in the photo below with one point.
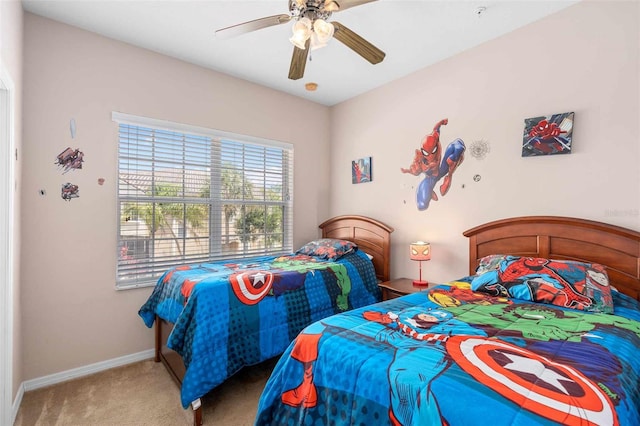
(412, 33)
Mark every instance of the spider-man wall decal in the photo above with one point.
(435, 166)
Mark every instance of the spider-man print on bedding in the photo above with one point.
(413, 361)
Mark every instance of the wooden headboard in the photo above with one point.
(370, 235)
(553, 237)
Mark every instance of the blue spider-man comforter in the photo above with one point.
(227, 316)
(451, 356)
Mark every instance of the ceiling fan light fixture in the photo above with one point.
(298, 41)
(302, 25)
(301, 32)
(323, 30)
(315, 43)
(331, 6)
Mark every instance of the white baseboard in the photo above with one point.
(75, 373)
(17, 402)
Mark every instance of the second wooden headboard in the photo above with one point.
(555, 237)
(371, 236)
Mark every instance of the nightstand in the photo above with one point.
(398, 287)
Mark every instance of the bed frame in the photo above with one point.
(563, 238)
(370, 235)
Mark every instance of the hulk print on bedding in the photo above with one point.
(230, 315)
(452, 356)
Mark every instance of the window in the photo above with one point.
(192, 195)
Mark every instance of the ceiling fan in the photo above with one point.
(311, 30)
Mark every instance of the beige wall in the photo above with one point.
(583, 59)
(72, 316)
(11, 20)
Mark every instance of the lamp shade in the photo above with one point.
(420, 251)
(323, 30)
(301, 32)
(331, 6)
(315, 44)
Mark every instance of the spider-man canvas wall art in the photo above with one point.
(361, 170)
(547, 135)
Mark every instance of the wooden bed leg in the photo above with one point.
(197, 412)
(158, 326)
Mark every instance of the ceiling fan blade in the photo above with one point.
(256, 24)
(356, 43)
(338, 5)
(299, 61)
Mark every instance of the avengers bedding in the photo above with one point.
(452, 356)
(231, 315)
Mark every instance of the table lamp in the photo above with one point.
(420, 251)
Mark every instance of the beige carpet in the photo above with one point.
(141, 394)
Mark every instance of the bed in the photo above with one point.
(213, 319)
(470, 352)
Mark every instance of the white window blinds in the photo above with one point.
(193, 195)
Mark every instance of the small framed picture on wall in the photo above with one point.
(361, 170)
(547, 135)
